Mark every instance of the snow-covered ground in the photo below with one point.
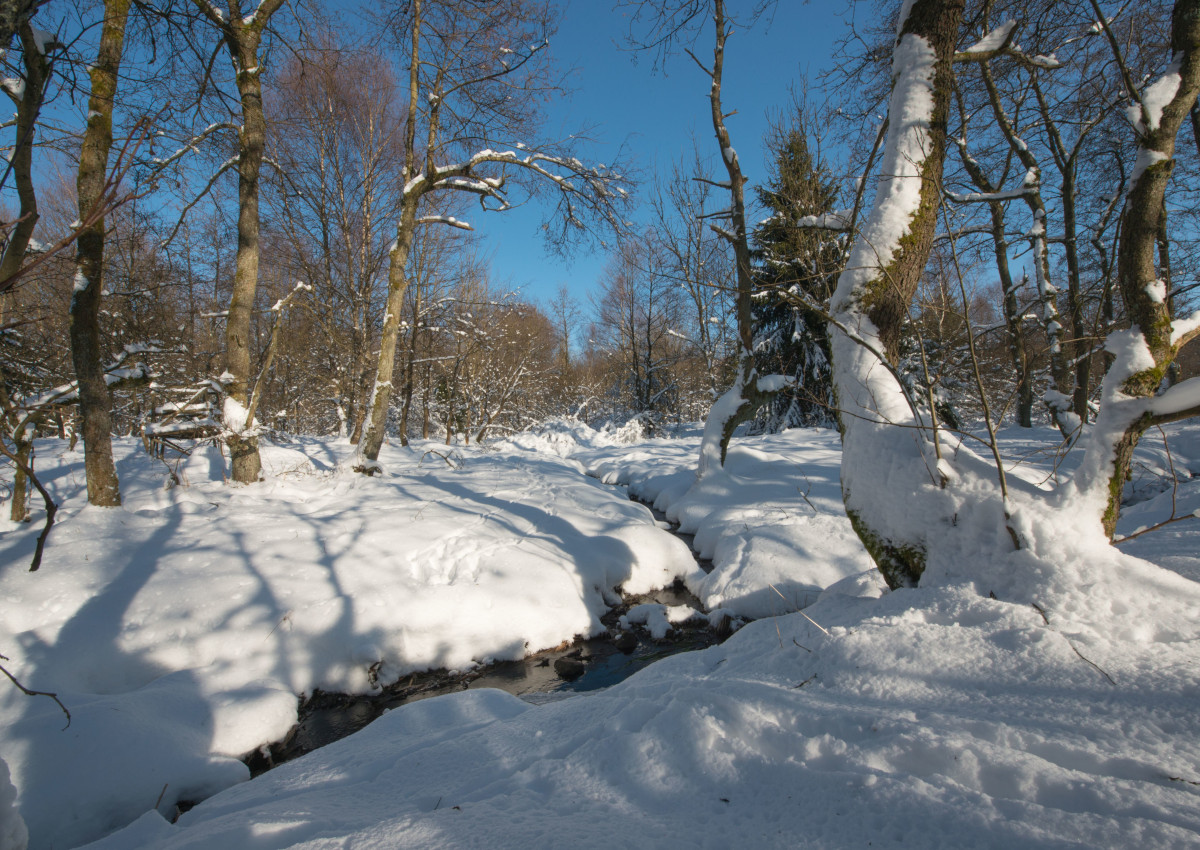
(1042, 698)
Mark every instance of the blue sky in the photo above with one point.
(656, 114)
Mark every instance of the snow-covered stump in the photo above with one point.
(889, 467)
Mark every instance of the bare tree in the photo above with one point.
(665, 24)
(336, 136)
(95, 403)
(242, 34)
(475, 75)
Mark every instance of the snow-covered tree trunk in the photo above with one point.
(95, 401)
(1133, 397)
(887, 454)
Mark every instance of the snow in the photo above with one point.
(836, 220)
(1146, 157)
(13, 834)
(234, 414)
(43, 39)
(994, 40)
(659, 619)
(1155, 98)
(1039, 698)
(180, 627)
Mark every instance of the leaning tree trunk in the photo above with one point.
(29, 106)
(741, 401)
(381, 393)
(883, 463)
(1131, 400)
(95, 400)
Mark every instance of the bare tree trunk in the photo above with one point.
(19, 509)
(1060, 370)
(37, 69)
(246, 466)
(1012, 309)
(381, 393)
(95, 400)
(243, 36)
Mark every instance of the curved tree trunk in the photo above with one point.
(883, 463)
(1131, 395)
(741, 401)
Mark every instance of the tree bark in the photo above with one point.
(741, 401)
(243, 36)
(95, 400)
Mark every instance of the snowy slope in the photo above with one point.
(926, 718)
(771, 520)
(179, 628)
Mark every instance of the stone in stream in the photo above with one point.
(626, 642)
(569, 668)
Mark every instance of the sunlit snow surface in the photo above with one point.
(935, 717)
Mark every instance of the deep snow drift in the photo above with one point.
(1061, 713)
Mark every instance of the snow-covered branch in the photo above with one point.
(1000, 42)
(447, 220)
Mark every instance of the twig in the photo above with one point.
(51, 508)
(1074, 648)
(801, 613)
(1094, 665)
(33, 693)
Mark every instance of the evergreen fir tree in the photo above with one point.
(791, 259)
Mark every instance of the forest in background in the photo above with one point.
(285, 247)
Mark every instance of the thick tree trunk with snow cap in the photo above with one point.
(1131, 400)
(887, 454)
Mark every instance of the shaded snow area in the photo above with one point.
(1040, 698)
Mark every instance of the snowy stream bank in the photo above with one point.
(180, 628)
(582, 665)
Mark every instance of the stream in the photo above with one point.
(574, 667)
